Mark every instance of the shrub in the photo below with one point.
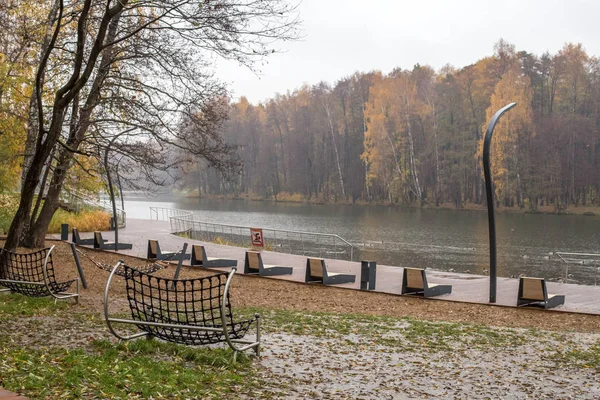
(85, 221)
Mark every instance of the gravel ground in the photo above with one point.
(357, 368)
(252, 291)
(522, 353)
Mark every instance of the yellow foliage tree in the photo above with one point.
(23, 26)
(512, 133)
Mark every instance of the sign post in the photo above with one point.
(256, 237)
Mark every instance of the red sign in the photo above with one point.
(256, 237)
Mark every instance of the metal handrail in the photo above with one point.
(271, 229)
(168, 211)
(595, 263)
(97, 203)
(175, 216)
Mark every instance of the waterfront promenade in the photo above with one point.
(465, 287)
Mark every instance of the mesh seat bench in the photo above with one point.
(100, 243)
(32, 274)
(533, 292)
(155, 253)
(185, 311)
(316, 271)
(253, 264)
(414, 281)
(199, 258)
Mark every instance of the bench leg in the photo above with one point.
(555, 302)
(438, 290)
(339, 279)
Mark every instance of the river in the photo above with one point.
(447, 240)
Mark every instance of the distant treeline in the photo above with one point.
(415, 136)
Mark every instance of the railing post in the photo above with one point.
(489, 190)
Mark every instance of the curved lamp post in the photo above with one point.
(489, 190)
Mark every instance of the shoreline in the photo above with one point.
(588, 211)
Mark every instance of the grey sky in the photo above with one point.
(341, 37)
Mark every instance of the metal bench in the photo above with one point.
(199, 258)
(75, 238)
(32, 274)
(100, 243)
(414, 281)
(253, 264)
(316, 271)
(533, 292)
(155, 253)
(185, 311)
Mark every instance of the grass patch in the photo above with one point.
(388, 331)
(580, 357)
(140, 369)
(87, 220)
(16, 305)
(73, 367)
(290, 197)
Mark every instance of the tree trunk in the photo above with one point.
(337, 157)
(413, 167)
(35, 237)
(111, 190)
(437, 156)
(37, 234)
(22, 217)
(32, 119)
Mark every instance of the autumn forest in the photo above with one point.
(414, 136)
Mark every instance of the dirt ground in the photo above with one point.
(272, 293)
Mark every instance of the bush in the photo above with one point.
(8, 207)
(290, 197)
(85, 221)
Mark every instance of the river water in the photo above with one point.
(447, 240)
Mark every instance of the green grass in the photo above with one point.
(576, 356)
(16, 305)
(104, 369)
(383, 330)
(140, 369)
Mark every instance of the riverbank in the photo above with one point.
(592, 211)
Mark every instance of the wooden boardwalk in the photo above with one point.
(465, 287)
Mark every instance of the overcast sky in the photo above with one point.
(345, 36)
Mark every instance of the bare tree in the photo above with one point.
(117, 65)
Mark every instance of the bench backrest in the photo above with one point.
(533, 289)
(152, 248)
(414, 278)
(98, 242)
(198, 254)
(254, 260)
(26, 267)
(196, 302)
(75, 236)
(315, 266)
